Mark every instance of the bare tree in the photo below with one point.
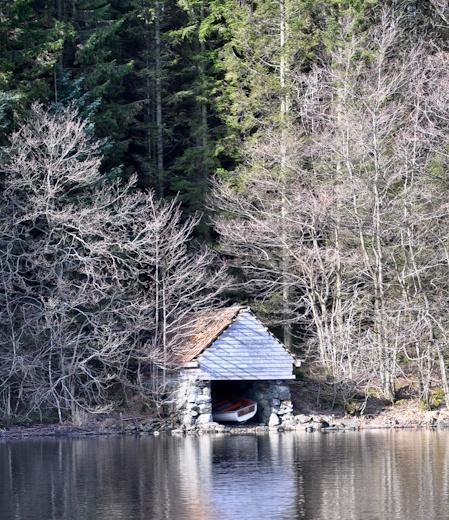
(364, 228)
(95, 276)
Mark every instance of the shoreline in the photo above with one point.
(301, 423)
(310, 414)
(32, 434)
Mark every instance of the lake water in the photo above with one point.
(345, 476)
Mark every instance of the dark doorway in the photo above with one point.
(221, 390)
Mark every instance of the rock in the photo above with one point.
(310, 429)
(187, 420)
(205, 408)
(204, 418)
(316, 425)
(283, 392)
(287, 420)
(286, 408)
(212, 427)
(275, 402)
(192, 396)
(177, 431)
(146, 427)
(156, 433)
(274, 420)
(350, 425)
(193, 413)
(302, 419)
(202, 399)
(431, 420)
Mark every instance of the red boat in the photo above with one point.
(234, 410)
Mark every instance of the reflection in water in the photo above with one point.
(351, 476)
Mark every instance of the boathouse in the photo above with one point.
(230, 352)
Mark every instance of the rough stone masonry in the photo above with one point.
(194, 402)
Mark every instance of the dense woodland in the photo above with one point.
(162, 157)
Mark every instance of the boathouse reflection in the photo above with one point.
(398, 475)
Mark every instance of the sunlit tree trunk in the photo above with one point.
(284, 121)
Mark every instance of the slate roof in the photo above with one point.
(238, 346)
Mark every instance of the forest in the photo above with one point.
(163, 157)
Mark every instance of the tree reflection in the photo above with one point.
(394, 475)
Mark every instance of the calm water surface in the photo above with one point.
(353, 476)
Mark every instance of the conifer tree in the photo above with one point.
(197, 161)
(100, 65)
(31, 43)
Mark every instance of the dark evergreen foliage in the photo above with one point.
(173, 86)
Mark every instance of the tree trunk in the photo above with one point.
(59, 65)
(159, 8)
(284, 113)
(443, 372)
(148, 98)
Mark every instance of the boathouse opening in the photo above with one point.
(272, 397)
(234, 390)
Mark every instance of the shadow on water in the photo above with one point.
(351, 476)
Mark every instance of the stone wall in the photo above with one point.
(194, 401)
(273, 401)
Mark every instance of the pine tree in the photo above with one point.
(174, 81)
(100, 68)
(145, 37)
(197, 160)
(31, 43)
